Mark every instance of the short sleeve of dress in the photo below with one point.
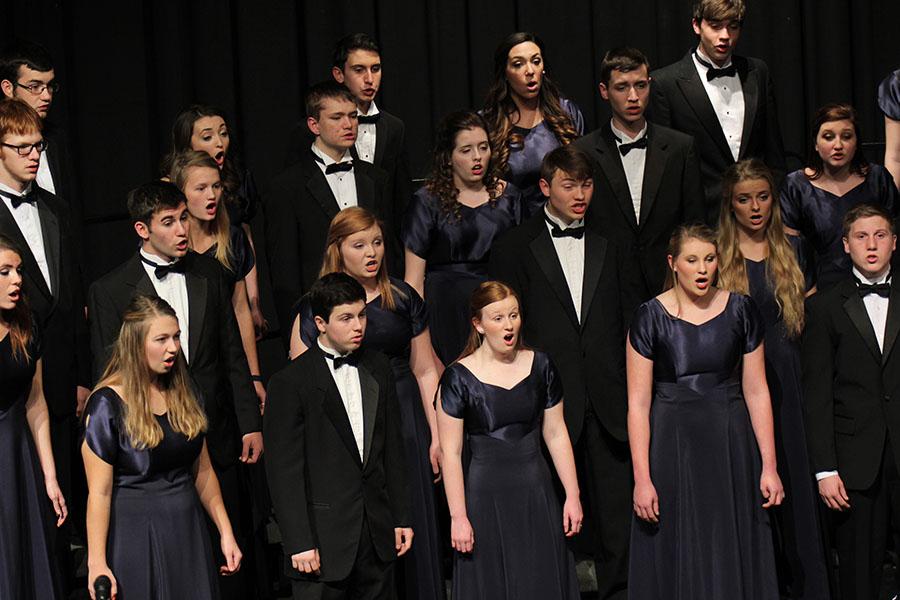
(554, 390)
(889, 96)
(754, 326)
(643, 330)
(791, 202)
(242, 260)
(309, 333)
(101, 424)
(419, 223)
(454, 397)
(418, 313)
(575, 114)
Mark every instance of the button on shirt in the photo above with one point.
(570, 252)
(346, 378)
(28, 219)
(44, 176)
(727, 98)
(633, 163)
(342, 183)
(365, 137)
(173, 289)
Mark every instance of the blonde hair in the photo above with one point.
(127, 368)
(782, 270)
(487, 293)
(343, 225)
(179, 172)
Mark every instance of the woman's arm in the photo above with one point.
(99, 476)
(297, 347)
(427, 369)
(252, 280)
(556, 436)
(207, 486)
(759, 405)
(248, 336)
(639, 371)
(415, 271)
(450, 431)
(38, 419)
(892, 148)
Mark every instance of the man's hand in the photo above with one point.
(307, 562)
(252, 447)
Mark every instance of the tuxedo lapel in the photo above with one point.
(611, 164)
(654, 166)
(892, 327)
(750, 86)
(365, 190)
(369, 388)
(51, 235)
(695, 94)
(545, 254)
(318, 188)
(594, 256)
(29, 262)
(334, 406)
(196, 292)
(136, 277)
(381, 135)
(856, 310)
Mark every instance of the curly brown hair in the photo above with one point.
(440, 181)
(500, 108)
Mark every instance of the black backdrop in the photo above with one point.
(128, 67)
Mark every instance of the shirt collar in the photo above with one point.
(159, 260)
(622, 137)
(328, 350)
(327, 160)
(13, 192)
(559, 223)
(373, 110)
(864, 279)
(699, 52)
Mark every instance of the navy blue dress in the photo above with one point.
(524, 166)
(520, 550)
(27, 567)
(796, 518)
(240, 256)
(817, 215)
(713, 539)
(390, 332)
(158, 545)
(456, 253)
(242, 203)
(889, 96)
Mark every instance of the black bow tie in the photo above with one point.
(712, 72)
(558, 232)
(338, 167)
(339, 361)
(882, 289)
(369, 119)
(17, 201)
(626, 148)
(162, 270)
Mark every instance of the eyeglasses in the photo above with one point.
(25, 149)
(38, 88)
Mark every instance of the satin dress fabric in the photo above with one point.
(889, 96)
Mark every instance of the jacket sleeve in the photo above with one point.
(104, 322)
(395, 459)
(246, 403)
(284, 251)
(817, 363)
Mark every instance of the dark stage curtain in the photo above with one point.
(128, 67)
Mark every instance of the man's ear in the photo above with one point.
(142, 229)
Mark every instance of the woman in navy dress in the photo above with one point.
(837, 177)
(148, 471)
(889, 103)
(397, 325)
(699, 420)
(507, 526)
(527, 115)
(756, 258)
(451, 224)
(27, 471)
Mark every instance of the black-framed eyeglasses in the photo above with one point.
(38, 88)
(25, 149)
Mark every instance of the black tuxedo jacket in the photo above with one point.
(320, 488)
(299, 207)
(679, 101)
(671, 195)
(218, 365)
(60, 314)
(851, 389)
(63, 172)
(390, 155)
(590, 355)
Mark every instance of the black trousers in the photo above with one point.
(64, 439)
(610, 491)
(369, 579)
(861, 533)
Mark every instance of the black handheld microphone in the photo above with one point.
(103, 588)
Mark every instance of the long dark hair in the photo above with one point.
(826, 114)
(440, 181)
(18, 318)
(499, 106)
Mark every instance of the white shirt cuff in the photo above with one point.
(825, 474)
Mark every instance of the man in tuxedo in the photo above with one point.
(195, 286)
(567, 277)
(335, 464)
(38, 222)
(647, 177)
(382, 136)
(851, 383)
(303, 199)
(26, 73)
(726, 102)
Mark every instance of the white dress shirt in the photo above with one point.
(633, 163)
(570, 252)
(365, 137)
(877, 309)
(173, 289)
(28, 219)
(342, 183)
(727, 97)
(44, 176)
(346, 378)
